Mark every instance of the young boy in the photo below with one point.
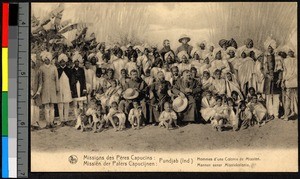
(93, 117)
(207, 81)
(232, 114)
(221, 113)
(244, 115)
(135, 115)
(168, 117)
(258, 110)
(219, 83)
(124, 78)
(207, 104)
(81, 120)
(148, 78)
(116, 116)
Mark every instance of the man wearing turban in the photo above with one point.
(78, 83)
(290, 83)
(35, 90)
(184, 59)
(223, 44)
(64, 96)
(248, 47)
(273, 73)
(50, 87)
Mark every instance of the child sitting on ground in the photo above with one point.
(116, 117)
(250, 94)
(135, 115)
(94, 116)
(86, 119)
(221, 114)
(232, 115)
(207, 106)
(82, 121)
(244, 115)
(168, 117)
(258, 110)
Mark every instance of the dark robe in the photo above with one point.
(191, 113)
(77, 75)
(140, 85)
(160, 96)
(273, 76)
(165, 50)
(67, 70)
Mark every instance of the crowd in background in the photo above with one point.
(228, 86)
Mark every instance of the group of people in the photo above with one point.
(227, 86)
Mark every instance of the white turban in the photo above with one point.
(91, 56)
(203, 42)
(123, 48)
(33, 57)
(210, 45)
(196, 51)
(239, 52)
(207, 55)
(287, 48)
(63, 57)
(138, 47)
(78, 57)
(216, 50)
(146, 46)
(129, 45)
(181, 54)
(257, 53)
(47, 55)
(230, 48)
(270, 42)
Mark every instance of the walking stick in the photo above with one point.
(272, 85)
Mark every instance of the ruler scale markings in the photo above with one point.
(23, 72)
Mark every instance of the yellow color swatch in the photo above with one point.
(4, 69)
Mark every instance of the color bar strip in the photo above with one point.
(5, 20)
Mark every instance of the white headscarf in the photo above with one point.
(230, 48)
(216, 50)
(181, 54)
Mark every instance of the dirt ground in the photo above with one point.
(275, 134)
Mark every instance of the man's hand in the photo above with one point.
(83, 93)
(278, 82)
(182, 95)
(188, 90)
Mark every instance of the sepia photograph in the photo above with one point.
(171, 86)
